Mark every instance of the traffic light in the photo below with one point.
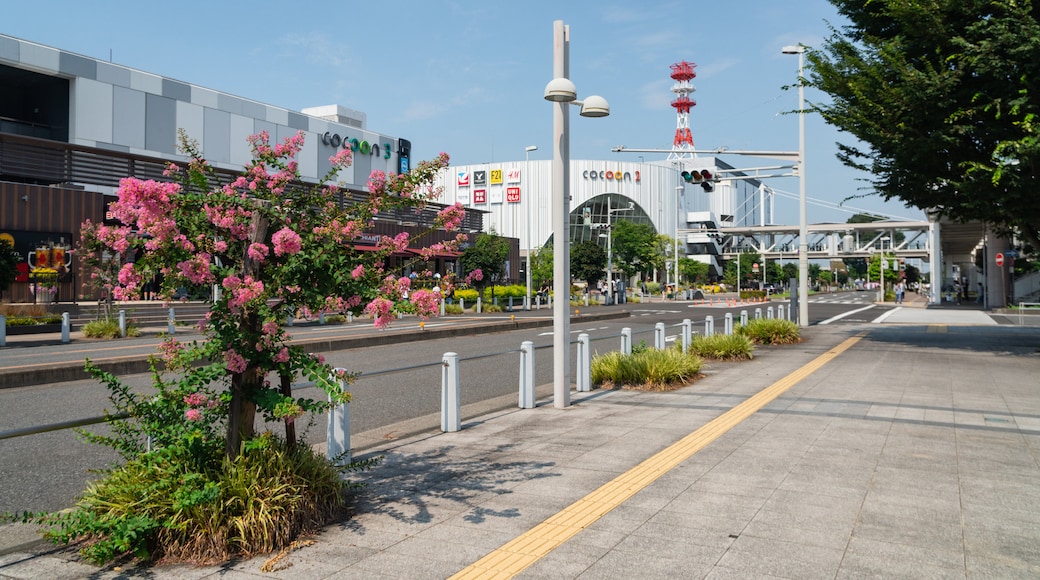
(703, 177)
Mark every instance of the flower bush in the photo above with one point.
(276, 248)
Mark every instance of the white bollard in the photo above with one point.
(584, 378)
(3, 330)
(769, 312)
(743, 317)
(171, 322)
(526, 375)
(337, 439)
(462, 304)
(66, 327)
(687, 335)
(709, 325)
(442, 307)
(780, 312)
(538, 302)
(626, 341)
(350, 317)
(289, 320)
(659, 336)
(758, 313)
(122, 323)
(729, 323)
(586, 299)
(480, 305)
(321, 318)
(451, 407)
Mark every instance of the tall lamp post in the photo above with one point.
(562, 92)
(530, 220)
(803, 228)
(675, 254)
(610, 254)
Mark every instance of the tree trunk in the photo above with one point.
(242, 414)
(290, 425)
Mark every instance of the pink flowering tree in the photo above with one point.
(275, 247)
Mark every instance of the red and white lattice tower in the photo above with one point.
(682, 74)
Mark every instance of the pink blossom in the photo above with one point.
(196, 400)
(192, 415)
(286, 241)
(220, 246)
(196, 269)
(243, 290)
(427, 303)
(358, 272)
(376, 181)
(236, 363)
(258, 251)
(342, 158)
(451, 216)
(380, 310)
(282, 356)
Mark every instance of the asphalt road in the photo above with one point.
(46, 471)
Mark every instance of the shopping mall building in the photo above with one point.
(517, 197)
(72, 126)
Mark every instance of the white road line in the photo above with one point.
(843, 315)
(882, 318)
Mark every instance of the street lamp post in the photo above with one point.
(562, 92)
(530, 220)
(610, 261)
(882, 266)
(803, 228)
(675, 254)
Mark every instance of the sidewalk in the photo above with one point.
(910, 453)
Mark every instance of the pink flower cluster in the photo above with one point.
(197, 402)
(286, 241)
(197, 269)
(236, 363)
(381, 310)
(451, 216)
(243, 290)
(397, 243)
(475, 276)
(258, 251)
(426, 302)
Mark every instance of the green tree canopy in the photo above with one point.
(542, 266)
(942, 96)
(692, 271)
(487, 254)
(588, 262)
(635, 247)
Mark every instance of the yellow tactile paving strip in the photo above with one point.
(528, 548)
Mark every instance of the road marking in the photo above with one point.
(531, 546)
(884, 316)
(849, 313)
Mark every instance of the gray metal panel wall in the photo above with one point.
(160, 132)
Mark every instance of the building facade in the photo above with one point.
(72, 126)
(517, 197)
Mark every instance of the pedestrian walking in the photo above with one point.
(900, 291)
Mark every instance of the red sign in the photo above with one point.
(754, 266)
(513, 194)
(1000, 259)
(479, 196)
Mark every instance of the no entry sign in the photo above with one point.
(1000, 259)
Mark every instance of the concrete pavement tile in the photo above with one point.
(822, 522)
(25, 566)
(683, 534)
(619, 564)
(788, 502)
(566, 481)
(784, 559)
(716, 526)
(899, 560)
(726, 573)
(729, 506)
(363, 535)
(1001, 545)
(623, 519)
(987, 566)
(830, 537)
(564, 563)
(396, 565)
(321, 560)
(910, 531)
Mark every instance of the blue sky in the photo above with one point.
(466, 77)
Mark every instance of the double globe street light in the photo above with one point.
(562, 92)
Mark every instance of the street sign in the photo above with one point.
(1000, 259)
(754, 267)
(884, 264)
(1011, 253)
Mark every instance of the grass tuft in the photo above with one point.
(770, 331)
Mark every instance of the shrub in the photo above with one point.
(21, 321)
(770, 331)
(653, 287)
(514, 290)
(722, 347)
(650, 369)
(752, 294)
(491, 308)
(335, 319)
(467, 294)
(452, 309)
(108, 328)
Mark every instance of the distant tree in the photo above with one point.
(693, 271)
(747, 274)
(635, 247)
(542, 266)
(487, 254)
(588, 262)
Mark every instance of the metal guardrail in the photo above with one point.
(1025, 306)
